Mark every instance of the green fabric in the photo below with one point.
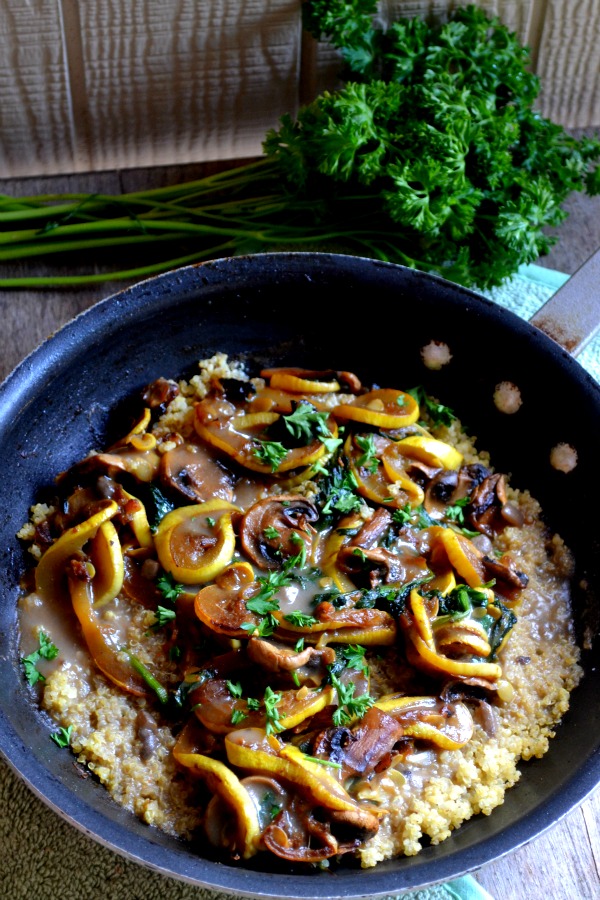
(41, 855)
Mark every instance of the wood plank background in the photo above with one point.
(105, 84)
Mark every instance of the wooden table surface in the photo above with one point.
(563, 863)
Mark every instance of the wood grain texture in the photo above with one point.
(171, 82)
(108, 84)
(561, 864)
(568, 62)
(36, 122)
(103, 84)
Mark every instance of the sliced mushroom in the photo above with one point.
(373, 530)
(139, 581)
(222, 606)
(475, 692)
(382, 566)
(192, 472)
(159, 393)
(509, 580)
(298, 836)
(274, 528)
(373, 479)
(489, 512)
(276, 657)
(449, 485)
(363, 748)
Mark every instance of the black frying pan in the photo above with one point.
(313, 310)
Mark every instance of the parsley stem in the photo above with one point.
(148, 677)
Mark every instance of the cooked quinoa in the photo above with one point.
(425, 791)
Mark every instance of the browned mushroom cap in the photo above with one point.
(362, 749)
(373, 530)
(381, 566)
(277, 657)
(138, 582)
(159, 393)
(509, 580)
(449, 485)
(489, 511)
(190, 470)
(362, 559)
(299, 834)
(142, 464)
(270, 530)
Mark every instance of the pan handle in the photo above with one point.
(572, 315)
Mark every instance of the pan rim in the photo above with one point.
(380, 883)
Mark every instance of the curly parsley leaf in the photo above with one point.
(437, 412)
(45, 650)
(62, 737)
(169, 588)
(306, 423)
(271, 453)
(350, 707)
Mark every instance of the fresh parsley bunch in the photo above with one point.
(431, 154)
(434, 148)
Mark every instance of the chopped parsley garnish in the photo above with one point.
(237, 716)
(235, 689)
(46, 650)
(271, 533)
(169, 588)
(354, 657)
(437, 412)
(271, 453)
(300, 619)
(269, 808)
(265, 627)
(306, 423)
(271, 699)
(162, 616)
(455, 512)
(402, 516)
(350, 707)
(264, 602)
(261, 605)
(63, 736)
(366, 442)
(338, 488)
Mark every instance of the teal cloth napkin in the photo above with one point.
(528, 290)
(45, 855)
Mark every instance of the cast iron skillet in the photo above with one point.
(319, 311)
